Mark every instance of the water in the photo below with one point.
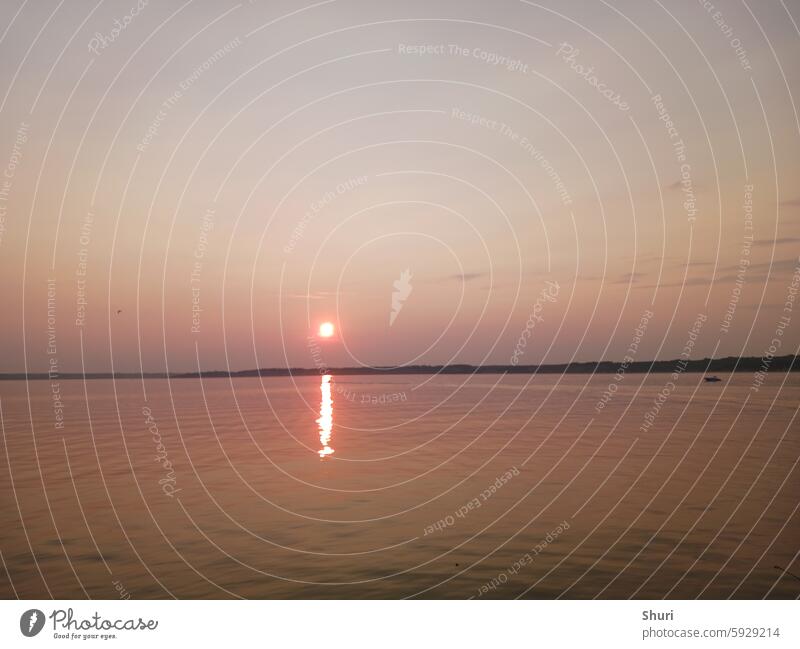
(404, 486)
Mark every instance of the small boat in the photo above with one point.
(712, 379)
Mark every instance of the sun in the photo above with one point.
(326, 330)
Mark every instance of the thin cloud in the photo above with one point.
(677, 185)
(629, 278)
(321, 295)
(693, 281)
(467, 277)
(754, 273)
(775, 266)
(304, 296)
(775, 242)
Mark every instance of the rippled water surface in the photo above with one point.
(404, 486)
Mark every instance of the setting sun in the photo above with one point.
(326, 330)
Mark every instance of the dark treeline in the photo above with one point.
(787, 363)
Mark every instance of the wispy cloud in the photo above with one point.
(760, 272)
(775, 242)
(629, 278)
(677, 186)
(776, 266)
(467, 277)
(692, 281)
(321, 295)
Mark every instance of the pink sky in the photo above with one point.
(251, 172)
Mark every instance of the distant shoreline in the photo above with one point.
(788, 363)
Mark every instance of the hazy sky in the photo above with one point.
(211, 181)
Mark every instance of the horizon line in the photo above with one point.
(786, 363)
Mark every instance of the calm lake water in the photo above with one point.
(405, 486)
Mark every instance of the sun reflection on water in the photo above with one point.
(325, 420)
